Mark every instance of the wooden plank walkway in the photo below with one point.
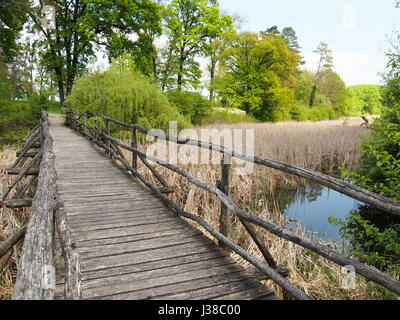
(131, 245)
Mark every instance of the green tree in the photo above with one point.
(332, 86)
(192, 105)
(325, 63)
(258, 75)
(190, 26)
(365, 99)
(84, 25)
(13, 15)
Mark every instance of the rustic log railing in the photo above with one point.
(275, 272)
(36, 272)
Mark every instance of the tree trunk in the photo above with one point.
(212, 76)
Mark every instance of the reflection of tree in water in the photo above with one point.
(310, 193)
(282, 197)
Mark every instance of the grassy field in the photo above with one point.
(323, 146)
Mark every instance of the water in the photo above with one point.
(312, 206)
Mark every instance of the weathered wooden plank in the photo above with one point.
(93, 217)
(138, 231)
(119, 225)
(153, 288)
(218, 291)
(138, 246)
(147, 236)
(164, 264)
(250, 294)
(151, 271)
(155, 255)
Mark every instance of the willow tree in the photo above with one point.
(83, 26)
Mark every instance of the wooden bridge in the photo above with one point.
(101, 231)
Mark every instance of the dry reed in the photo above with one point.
(323, 146)
(10, 221)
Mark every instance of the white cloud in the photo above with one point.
(353, 67)
(349, 21)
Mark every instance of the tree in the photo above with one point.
(219, 42)
(289, 34)
(13, 15)
(191, 27)
(325, 63)
(83, 25)
(332, 86)
(258, 75)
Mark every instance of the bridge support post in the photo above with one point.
(134, 145)
(223, 185)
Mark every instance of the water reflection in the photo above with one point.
(311, 206)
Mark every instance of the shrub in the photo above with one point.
(227, 116)
(124, 95)
(192, 105)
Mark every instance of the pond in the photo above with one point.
(311, 206)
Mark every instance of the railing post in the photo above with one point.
(85, 130)
(226, 165)
(95, 127)
(107, 128)
(134, 145)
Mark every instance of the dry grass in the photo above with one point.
(323, 146)
(10, 220)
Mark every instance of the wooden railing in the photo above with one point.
(36, 271)
(112, 146)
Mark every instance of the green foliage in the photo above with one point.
(84, 25)
(192, 105)
(374, 235)
(13, 15)
(227, 116)
(364, 99)
(17, 118)
(257, 75)
(124, 95)
(191, 26)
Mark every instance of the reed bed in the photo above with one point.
(323, 146)
(10, 221)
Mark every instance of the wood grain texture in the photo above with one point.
(130, 244)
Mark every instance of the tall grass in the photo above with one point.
(323, 146)
(10, 221)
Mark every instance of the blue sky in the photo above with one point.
(355, 30)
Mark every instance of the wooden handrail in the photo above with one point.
(36, 273)
(380, 202)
